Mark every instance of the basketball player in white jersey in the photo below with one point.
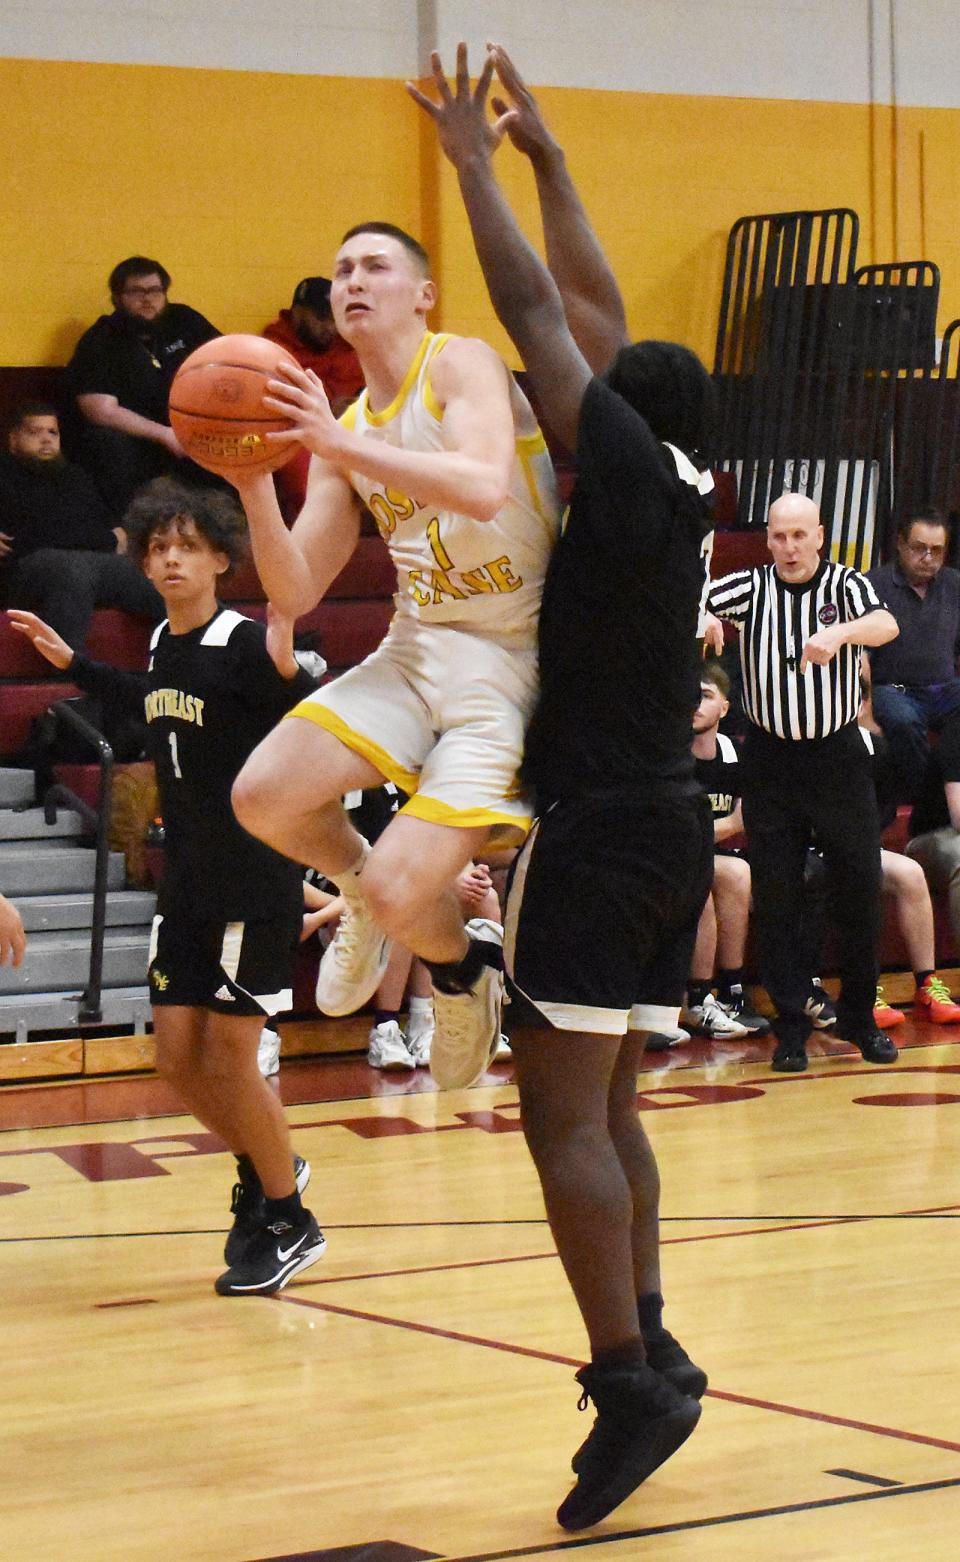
(445, 452)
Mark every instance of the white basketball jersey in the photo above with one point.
(481, 575)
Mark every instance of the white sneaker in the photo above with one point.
(386, 1048)
(711, 1019)
(419, 1039)
(354, 961)
(467, 1032)
(268, 1053)
(504, 1050)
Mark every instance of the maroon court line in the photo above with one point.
(569, 1361)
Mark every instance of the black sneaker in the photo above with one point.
(875, 1046)
(246, 1206)
(789, 1058)
(735, 1004)
(641, 1421)
(272, 1257)
(819, 1010)
(667, 1356)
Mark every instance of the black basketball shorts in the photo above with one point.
(242, 968)
(602, 912)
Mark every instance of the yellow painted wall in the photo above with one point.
(241, 183)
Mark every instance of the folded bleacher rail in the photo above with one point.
(90, 1011)
(829, 381)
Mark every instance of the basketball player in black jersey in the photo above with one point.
(229, 907)
(608, 753)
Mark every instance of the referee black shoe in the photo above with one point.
(641, 1421)
(875, 1045)
(789, 1057)
(272, 1256)
(247, 1205)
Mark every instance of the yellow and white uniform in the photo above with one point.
(440, 708)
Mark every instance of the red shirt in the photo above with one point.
(339, 369)
(337, 365)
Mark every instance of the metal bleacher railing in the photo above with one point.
(830, 382)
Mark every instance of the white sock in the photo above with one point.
(420, 1009)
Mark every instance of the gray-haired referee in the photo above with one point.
(802, 621)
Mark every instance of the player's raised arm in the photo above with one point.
(591, 297)
(296, 567)
(523, 293)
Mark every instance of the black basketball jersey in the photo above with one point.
(209, 697)
(720, 777)
(619, 660)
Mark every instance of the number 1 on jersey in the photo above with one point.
(174, 757)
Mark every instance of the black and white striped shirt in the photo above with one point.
(775, 620)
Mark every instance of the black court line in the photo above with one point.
(485, 1343)
(747, 1515)
(859, 1475)
(789, 1223)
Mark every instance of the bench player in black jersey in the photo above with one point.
(229, 907)
(608, 753)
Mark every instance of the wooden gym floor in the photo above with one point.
(412, 1395)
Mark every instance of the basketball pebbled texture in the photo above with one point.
(216, 405)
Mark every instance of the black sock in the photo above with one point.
(246, 1170)
(289, 1209)
(650, 1313)
(459, 976)
(920, 977)
(730, 982)
(696, 992)
(630, 1354)
(384, 1016)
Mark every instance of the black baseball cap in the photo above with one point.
(313, 293)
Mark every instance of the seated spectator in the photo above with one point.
(59, 553)
(915, 685)
(904, 881)
(389, 1046)
(121, 372)
(935, 842)
(722, 933)
(308, 333)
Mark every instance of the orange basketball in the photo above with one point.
(216, 405)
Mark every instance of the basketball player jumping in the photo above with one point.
(444, 451)
(608, 753)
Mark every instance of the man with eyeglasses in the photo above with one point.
(120, 374)
(915, 685)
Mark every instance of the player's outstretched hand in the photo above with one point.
(42, 637)
(298, 394)
(521, 117)
(13, 940)
(461, 116)
(280, 642)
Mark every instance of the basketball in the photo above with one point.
(216, 405)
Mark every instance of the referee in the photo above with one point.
(802, 621)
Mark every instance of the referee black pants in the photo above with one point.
(793, 791)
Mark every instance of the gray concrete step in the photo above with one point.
(30, 824)
(16, 786)
(57, 962)
(29, 870)
(23, 1013)
(125, 908)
